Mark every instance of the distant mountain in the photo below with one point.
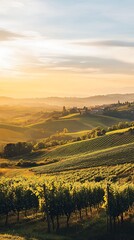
(58, 102)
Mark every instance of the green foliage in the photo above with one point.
(60, 199)
(119, 201)
(39, 145)
(15, 197)
(121, 125)
(120, 110)
(16, 149)
(96, 132)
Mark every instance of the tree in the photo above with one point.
(64, 111)
(16, 149)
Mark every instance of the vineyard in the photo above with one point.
(57, 200)
(105, 157)
(110, 149)
(93, 145)
(121, 173)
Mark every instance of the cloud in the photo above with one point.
(93, 65)
(106, 43)
(78, 65)
(33, 52)
(6, 35)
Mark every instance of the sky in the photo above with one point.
(66, 48)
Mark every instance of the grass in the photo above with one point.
(75, 123)
(77, 134)
(119, 131)
(95, 227)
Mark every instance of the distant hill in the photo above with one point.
(58, 102)
(90, 101)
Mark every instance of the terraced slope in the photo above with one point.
(92, 145)
(107, 150)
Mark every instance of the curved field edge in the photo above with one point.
(76, 123)
(121, 173)
(111, 156)
(92, 145)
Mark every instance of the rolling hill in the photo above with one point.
(75, 123)
(109, 150)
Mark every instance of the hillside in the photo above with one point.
(46, 126)
(111, 149)
(11, 133)
(75, 123)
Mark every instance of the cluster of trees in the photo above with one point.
(121, 125)
(60, 139)
(65, 200)
(48, 144)
(85, 110)
(15, 198)
(118, 202)
(96, 132)
(16, 149)
(127, 113)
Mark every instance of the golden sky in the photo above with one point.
(66, 48)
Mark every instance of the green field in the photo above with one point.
(106, 150)
(77, 126)
(75, 123)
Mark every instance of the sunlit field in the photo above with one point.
(66, 120)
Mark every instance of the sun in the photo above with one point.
(7, 59)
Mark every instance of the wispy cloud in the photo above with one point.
(36, 53)
(106, 43)
(6, 35)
